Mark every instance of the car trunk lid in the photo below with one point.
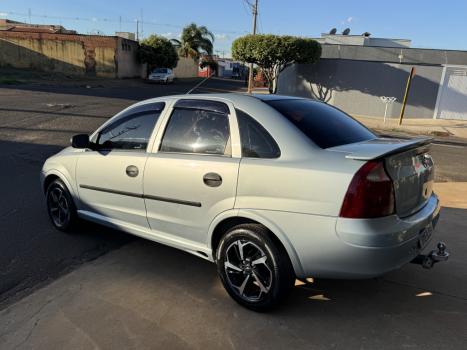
(407, 162)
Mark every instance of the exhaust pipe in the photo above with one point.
(435, 256)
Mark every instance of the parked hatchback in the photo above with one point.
(270, 188)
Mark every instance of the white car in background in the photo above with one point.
(268, 187)
(162, 75)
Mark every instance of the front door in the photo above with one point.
(193, 176)
(110, 178)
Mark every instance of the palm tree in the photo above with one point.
(194, 41)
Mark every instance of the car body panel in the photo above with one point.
(292, 185)
(117, 196)
(189, 221)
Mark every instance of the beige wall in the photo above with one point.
(128, 65)
(186, 68)
(68, 54)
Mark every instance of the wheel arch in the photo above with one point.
(233, 218)
(52, 175)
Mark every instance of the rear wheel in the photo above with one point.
(255, 271)
(60, 206)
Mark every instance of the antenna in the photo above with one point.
(333, 31)
(346, 31)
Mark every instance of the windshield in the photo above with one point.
(325, 125)
(160, 70)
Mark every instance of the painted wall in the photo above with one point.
(356, 86)
(65, 53)
(186, 68)
(127, 63)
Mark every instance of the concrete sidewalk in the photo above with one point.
(447, 130)
(148, 296)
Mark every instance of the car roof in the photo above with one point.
(233, 97)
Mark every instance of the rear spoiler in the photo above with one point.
(380, 147)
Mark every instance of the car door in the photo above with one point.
(191, 176)
(110, 177)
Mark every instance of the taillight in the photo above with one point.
(370, 194)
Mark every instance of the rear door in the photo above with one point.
(110, 178)
(191, 176)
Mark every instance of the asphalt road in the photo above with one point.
(38, 120)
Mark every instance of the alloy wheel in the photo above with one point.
(59, 208)
(247, 270)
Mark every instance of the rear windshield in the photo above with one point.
(325, 125)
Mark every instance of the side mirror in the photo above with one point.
(80, 141)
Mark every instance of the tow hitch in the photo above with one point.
(435, 256)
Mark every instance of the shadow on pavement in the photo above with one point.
(132, 89)
(31, 250)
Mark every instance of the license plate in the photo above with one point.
(425, 235)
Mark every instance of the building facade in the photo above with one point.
(55, 49)
(355, 77)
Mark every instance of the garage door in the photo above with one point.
(453, 98)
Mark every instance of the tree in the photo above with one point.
(273, 53)
(194, 41)
(157, 52)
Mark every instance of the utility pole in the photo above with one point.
(141, 24)
(407, 89)
(250, 75)
(29, 15)
(137, 30)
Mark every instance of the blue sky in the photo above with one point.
(429, 23)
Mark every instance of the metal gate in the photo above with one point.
(452, 95)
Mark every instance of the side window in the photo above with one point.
(256, 141)
(196, 130)
(132, 130)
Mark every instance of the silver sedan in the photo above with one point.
(270, 188)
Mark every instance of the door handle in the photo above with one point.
(132, 171)
(212, 179)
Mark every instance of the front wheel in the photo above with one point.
(60, 206)
(255, 271)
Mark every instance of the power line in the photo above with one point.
(118, 20)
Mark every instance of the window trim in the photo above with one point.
(169, 115)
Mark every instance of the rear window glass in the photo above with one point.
(256, 141)
(325, 125)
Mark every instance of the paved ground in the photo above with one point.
(144, 295)
(148, 296)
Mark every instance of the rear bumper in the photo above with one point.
(377, 246)
(389, 231)
(157, 80)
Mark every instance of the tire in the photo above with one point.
(264, 277)
(60, 206)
